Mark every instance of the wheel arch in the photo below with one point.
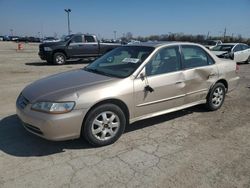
(223, 81)
(61, 51)
(117, 102)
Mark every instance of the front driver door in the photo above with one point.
(162, 74)
(76, 46)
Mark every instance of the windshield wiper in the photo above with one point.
(97, 71)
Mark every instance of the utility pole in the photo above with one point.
(115, 35)
(11, 32)
(68, 11)
(208, 34)
(225, 32)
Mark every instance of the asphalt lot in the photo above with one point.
(189, 148)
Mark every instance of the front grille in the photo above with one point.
(22, 102)
(32, 128)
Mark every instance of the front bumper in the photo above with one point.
(52, 126)
(45, 55)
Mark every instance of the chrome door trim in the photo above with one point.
(159, 101)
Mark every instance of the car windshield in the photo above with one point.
(120, 62)
(227, 48)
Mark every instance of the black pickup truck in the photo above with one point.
(74, 46)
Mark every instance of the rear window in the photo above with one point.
(89, 39)
(194, 56)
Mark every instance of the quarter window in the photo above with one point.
(194, 56)
(166, 60)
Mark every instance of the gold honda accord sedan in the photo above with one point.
(128, 84)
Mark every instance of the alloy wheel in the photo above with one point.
(105, 126)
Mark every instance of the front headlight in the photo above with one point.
(47, 49)
(53, 107)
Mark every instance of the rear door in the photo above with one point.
(200, 72)
(91, 45)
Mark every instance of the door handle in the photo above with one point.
(179, 82)
(212, 74)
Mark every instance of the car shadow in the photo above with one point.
(44, 63)
(16, 141)
(163, 118)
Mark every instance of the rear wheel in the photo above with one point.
(104, 125)
(59, 58)
(216, 97)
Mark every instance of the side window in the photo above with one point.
(237, 48)
(194, 56)
(77, 39)
(89, 39)
(164, 61)
(244, 47)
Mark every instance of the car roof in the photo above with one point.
(158, 44)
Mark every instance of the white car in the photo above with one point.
(209, 44)
(237, 51)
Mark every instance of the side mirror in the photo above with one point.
(142, 74)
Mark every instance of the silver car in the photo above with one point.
(128, 84)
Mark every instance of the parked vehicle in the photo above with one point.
(13, 38)
(128, 84)
(237, 51)
(74, 46)
(209, 44)
(1, 38)
(28, 39)
(50, 39)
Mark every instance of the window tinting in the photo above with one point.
(194, 56)
(89, 39)
(166, 60)
(76, 39)
(237, 48)
(244, 47)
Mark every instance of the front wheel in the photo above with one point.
(104, 125)
(216, 97)
(59, 58)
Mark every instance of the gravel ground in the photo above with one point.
(189, 148)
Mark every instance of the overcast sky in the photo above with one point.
(142, 18)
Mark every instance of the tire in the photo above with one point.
(104, 125)
(216, 97)
(59, 58)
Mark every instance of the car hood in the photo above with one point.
(51, 44)
(60, 86)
